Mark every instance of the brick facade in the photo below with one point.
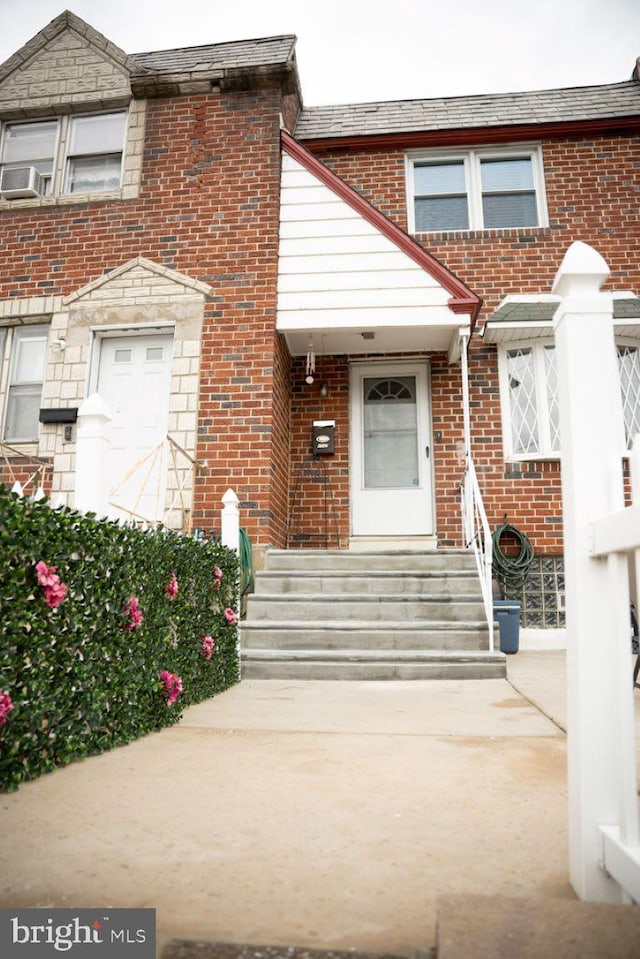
(592, 195)
(191, 239)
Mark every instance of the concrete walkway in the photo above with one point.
(324, 814)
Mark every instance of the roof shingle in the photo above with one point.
(615, 100)
(238, 54)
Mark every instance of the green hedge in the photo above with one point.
(81, 677)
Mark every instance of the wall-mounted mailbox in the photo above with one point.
(323, 436)
(68, 414)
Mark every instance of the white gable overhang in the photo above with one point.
(350, 281)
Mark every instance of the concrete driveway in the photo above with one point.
(319, 814)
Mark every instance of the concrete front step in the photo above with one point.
(366, 664)
(335, 614)
(328, 607)
(357, 634)
(384, 561)
(378, 582)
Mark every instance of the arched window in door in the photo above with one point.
(390, 432)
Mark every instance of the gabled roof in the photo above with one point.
(578, 105)
(164, 72)
(463, 300)
(64, 22)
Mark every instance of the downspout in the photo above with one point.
(466, 415)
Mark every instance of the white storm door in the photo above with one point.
(134, 377)
(391, 485)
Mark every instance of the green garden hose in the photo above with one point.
(246, 564)
(511, 571)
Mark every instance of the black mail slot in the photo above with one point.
(323, 436)
(68, 414)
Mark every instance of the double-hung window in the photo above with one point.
(529, 392)
(27, 350)
(94, 159)
(69, 154)
(476, 190)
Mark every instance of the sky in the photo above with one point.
(347, 52)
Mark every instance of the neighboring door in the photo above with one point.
(134, 376)
(391, 484)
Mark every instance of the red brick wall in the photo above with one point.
(208, 208)
(29, 471)
(319, 498)
(591, 188)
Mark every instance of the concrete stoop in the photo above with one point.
(385, 614)
(485, 927)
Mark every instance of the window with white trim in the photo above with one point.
(529, 393)
(476, 190)
(78, 154)
(26, 349)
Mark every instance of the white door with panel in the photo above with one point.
(134, 377)
(391, 474)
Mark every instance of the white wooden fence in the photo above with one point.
(599, 536)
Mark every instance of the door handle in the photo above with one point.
(426, 449)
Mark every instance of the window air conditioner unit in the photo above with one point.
(19, 182)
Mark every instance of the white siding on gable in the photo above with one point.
(337, 271)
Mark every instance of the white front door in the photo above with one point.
(391, 476)
(134, 376)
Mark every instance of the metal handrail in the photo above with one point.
(477, 536)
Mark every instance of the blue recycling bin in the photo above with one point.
(507, 614)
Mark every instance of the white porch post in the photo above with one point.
(92, 449)
(592, 442)
(230, 521)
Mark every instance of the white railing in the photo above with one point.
(600, 535)
(477, 536)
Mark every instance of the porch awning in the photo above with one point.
(530, 317)
(350, 281)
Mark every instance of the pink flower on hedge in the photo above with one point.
(230, 616)
(172, 686)
(55, 594)
(171, 589)
(54, 591)
(207, 646)
(5, 707)
(46, 574)
(217, 576)
(132, 611)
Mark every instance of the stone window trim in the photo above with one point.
(131, 161)
(470, 162)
